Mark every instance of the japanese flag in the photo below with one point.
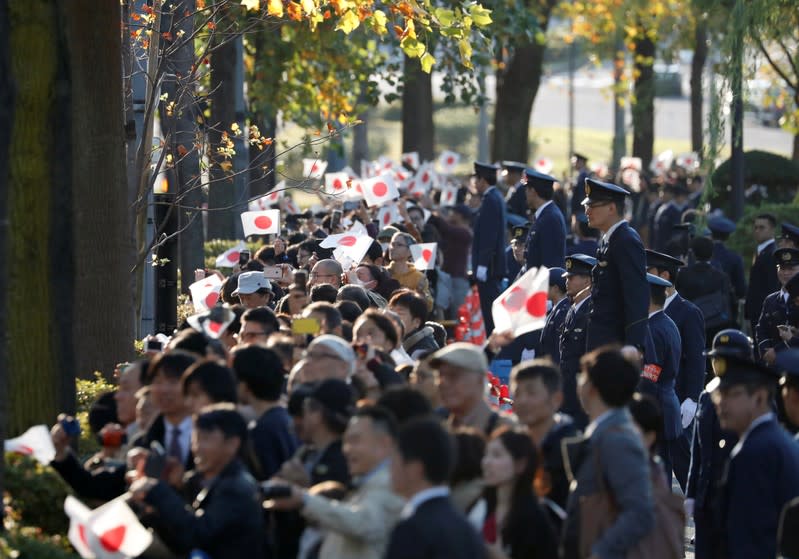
(388, 214)
(205, 293)
(631, 163)
(688, 161)
(78, 534)
(424, 255)
(662, 162)
(350, 249)
(336, 183)
(267, 200)
(230, 257)
(366, 169)
(35, 442)
(114, 531)
(313, 168)
(290, 206)
(543, 165)
(261, 223)
(447, 162)
(411, 159)
(379, 190)
(384, 163)
(523, 306)
(449, 195)
(400, 174)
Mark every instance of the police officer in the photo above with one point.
(572, 337)
(514, 254)
(488, 245)
(516, 198)
(619, 292)
(763, 469)
(660, 371)
(546, 242)
(762, 276)
(711, 446)
(726, 260)
(787, 363)
(583, 238)
(670, 214)
(691, 372)
(550, 335)
(580, 166)
(789, 236)
(779, 310)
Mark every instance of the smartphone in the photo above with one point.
(244, 257)
(273, 272)
(305, 326)
(156, 461)
(336, 219)
(153, 345)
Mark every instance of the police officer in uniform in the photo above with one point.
(691, 373)
(572, 337)
(711, 446)
(660, 373)
(789, 236)
(550, 335)
(514, 254)
(546, 242)
(762, 473)
(516, 198)
(670, 214)
(779, 311)
(620, 292)
(583, 238)
(726, 260)
(488, 245)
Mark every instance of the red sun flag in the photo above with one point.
(211, 299)
(233, 256)
(348, 241)
(205, 293)
(427, 254)
(379, 190)
(424, 255)
(263, 222)
(266, 222)
(112, 539)
(523, 306)
(230, 257)
(514, 300)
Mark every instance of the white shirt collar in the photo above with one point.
(669, 299)
(580, 304)
(784, 295)
(768, 416)
(422, 497)
(541, 209)
(606, 236)
(595, 423)
(763, 245)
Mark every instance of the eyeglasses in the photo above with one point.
(397, 245)
(593, 205)
(317, 275)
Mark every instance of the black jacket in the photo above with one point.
(420, 340)
(226, 520)
(762, 281)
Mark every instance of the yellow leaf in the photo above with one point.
(250, 4)
(444, 16)
(379, 20)
(480, 15)
(427, 62)
(412, 47)
(348, 22)
(308, 6)
(465, 48)
(274, 8)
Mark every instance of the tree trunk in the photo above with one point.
(262, 177)
(644, 107)
(795, 155)
(33, 361)
(6, 120)
(221, 191)
(697, 93)
(619, 105)
(418, 130)
(101, 226)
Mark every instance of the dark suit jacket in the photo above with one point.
(691, 324)
(488, 245)
(625, 470)
(516, 200)
(620, 292)
(668, 349)
(668, 215)
(762, 477)
(762, 281)
(572, 348)
(435, 531)
(226, 520)
(731, 264)
(550, 335)
(546, 241)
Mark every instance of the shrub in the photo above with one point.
(26, 543)
(778, 174)
(88, 391)
(741, 241)
(36, 493)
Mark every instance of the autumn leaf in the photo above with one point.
(379, 20)
(480, 15)
(182, 151)
(274, 8)
(331, 129)
(427, 62)
(348, 22)
(294, 11)
(226, 165)
(250, 4)
(200, 4)
(412, 47)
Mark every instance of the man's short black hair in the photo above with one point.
(261, 370)
(215, 380)
(425, 440)
(171, 365)
(332, 314)
(657, 294)
(222, 417)
(619, 203)
(350, 311)
(545, 369)
(771, 218)
(702, 248)
(190, 340)
(415, 303)
(614, 377)
(382, 419)
(264, 316)
(647, 414)
(375, 251)
(324, 292)
(356, 294)
(405, 403)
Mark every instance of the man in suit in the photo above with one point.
(550, 334)
(660, 373)
(515, 198)
(619, 292)
(546, 241)
(763, 274)
(572, 338)
(580, 166)
(763, 470)
(726, 260)
(429, 525)
(778, 308)
(488, 246)
(691, 372)
(606, 385)
(670, 214)
(711, 446)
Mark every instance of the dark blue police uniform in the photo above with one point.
(667, 216)
(546, 242)
(724, 259)
(550, 335)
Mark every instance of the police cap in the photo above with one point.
(732, 370)
(486, 171)
(720, 224)
(790, 232)
(598, 191)
(787, 256)
(541, 183)
(514, 166)
(579, 265)
(731, 342)
(787, 363)
(662, 261)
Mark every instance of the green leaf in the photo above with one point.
(480, 15)
(412, 47)
(444, 16)
(348, 22)
(427, 62)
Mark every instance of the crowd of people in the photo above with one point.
(335, 414)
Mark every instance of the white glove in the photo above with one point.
(688, 411)
(688, 505)
(482, 273)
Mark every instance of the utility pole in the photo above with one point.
(737, 128)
